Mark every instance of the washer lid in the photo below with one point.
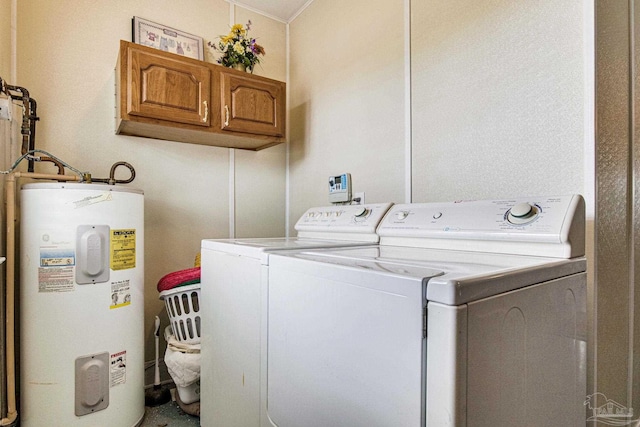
(259, 248)
(464, 276)
(326, 226)
(349, 270)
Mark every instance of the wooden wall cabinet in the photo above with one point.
(166, 96)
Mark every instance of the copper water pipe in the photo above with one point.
(112, 175)
(10, 188)
(26, 117)
(54, 161)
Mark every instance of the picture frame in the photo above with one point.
(148, 33)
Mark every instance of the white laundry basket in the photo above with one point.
(183, 307)
(190, 393)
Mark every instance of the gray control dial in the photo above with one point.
(361, 212)
(522, 213)
(402, 214)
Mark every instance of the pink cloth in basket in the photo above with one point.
(184, 277)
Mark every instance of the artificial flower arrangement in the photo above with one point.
(238, 49)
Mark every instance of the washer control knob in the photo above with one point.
(402, 214)
(361, 212)
(437, 215)
(522, 213)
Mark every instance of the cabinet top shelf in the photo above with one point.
(124, 44)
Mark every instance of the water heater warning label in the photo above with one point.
(118, 368)
(120, 294)
(123, 249)
(56, 271)
(56, 279)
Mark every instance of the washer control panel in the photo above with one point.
(527, 221)
(343, 218)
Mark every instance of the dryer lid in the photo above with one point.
(451, 277)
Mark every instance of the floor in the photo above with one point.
(168, 415)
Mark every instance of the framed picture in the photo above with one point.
(161, 37)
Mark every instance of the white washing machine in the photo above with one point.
(233, 298)
(466, 314)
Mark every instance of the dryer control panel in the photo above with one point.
(546, 226)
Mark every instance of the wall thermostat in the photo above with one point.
(340, 188)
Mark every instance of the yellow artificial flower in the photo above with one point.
(238, 29)
(238, 47)
(226, 39)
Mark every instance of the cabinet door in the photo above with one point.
(176, 90)
(251, 105)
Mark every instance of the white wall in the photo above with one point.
(347, 101)
(5, 39)
(498, 98)
(66, 57)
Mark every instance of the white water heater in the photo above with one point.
(81, 305)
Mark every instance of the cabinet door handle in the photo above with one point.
(206, 112)
(226, 112)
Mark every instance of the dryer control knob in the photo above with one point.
(522, 213)
(402, 215)
(521, 209)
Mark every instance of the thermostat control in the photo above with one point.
(340, 188)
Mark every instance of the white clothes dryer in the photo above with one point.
(233, 296)
(466, 314)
